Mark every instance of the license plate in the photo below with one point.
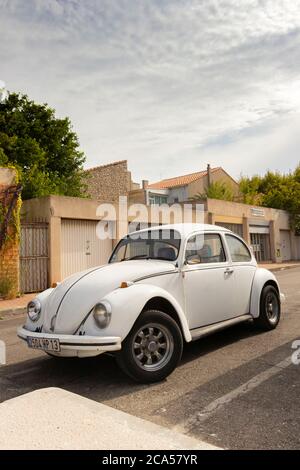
(44, 343)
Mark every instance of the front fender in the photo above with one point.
(127, 304)
(261, 277)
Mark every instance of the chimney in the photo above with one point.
(208, 175)
(145, 184)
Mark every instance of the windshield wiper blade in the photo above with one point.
(136, 257)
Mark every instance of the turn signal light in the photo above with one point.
(125, 284)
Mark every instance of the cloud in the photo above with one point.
(165, 84)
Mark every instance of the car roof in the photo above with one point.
(186, 229)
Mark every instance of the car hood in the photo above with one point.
(74, 298)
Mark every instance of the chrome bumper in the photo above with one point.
(75, 345)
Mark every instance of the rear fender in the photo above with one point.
(261, 278)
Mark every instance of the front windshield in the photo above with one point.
(152, 244)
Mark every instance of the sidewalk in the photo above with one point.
(18, 306)
(52, 418)
(15, 306)
(280, 266)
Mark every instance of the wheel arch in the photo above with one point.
(164, 305)
(132, 301)
(262, 278)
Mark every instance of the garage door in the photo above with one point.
(285, 242)
(80, 246)
(236, 228)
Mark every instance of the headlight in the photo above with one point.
(102, 314)
(34, 309)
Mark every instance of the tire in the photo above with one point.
(160, 349)
(269, 315)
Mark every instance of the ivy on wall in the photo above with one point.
(10, 205)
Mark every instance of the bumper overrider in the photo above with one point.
(70, 345)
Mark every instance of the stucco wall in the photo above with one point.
(220, 175)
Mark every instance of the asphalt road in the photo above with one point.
(237, 389)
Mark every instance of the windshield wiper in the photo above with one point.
(136, 257)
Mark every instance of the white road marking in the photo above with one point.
(216, 405)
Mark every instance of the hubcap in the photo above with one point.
(152, 347)
(272, 307)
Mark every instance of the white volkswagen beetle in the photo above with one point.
(161, 287)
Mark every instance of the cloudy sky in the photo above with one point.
(169, 85)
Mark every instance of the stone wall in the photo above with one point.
(108, 182)
(9, 253)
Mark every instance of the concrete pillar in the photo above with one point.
(54, 250)
(246, 232)
(275, 246)
(211, 218)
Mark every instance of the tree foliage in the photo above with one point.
(280, 191)
(216, 190)
(43, 148)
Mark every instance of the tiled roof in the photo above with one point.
(180, 180)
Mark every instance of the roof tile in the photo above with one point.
(180, 180)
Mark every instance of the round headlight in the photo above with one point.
(102, 314)
(34, 309)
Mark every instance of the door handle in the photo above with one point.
(229, 271)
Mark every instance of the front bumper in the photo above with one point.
(75, 345)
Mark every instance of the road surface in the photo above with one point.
(237, 389)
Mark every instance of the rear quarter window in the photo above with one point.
(239, 252)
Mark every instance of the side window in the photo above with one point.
(238, 250)
(205, 248)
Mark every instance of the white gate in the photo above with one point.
(285, 242)
(80, 247)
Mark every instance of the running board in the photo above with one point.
(207, 330)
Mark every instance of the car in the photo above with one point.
(162, 287)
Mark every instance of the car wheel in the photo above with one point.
(269, 314)
(152, 349)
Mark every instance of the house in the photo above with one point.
(59, 234)
(182, 188)
(108, 182)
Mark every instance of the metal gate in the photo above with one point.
(260, 243)
(34, 257)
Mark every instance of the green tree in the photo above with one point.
(280, 191)
(43, 148)
(216, 190)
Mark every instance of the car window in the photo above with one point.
(205, 248)
(238, 250)
(153, 244)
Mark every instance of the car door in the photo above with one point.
(244, 267)
(208, 281)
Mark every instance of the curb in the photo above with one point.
(53, 418)
(283, 268)
(13, 311)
